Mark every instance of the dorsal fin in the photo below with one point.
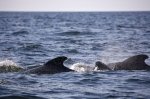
(53, 66)
(56, 61)
(137, 58)
(136, 62)
(101, 66)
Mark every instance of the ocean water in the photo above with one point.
(31, 39)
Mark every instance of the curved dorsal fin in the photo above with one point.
(136, 62)
(53, 66)
(137, 58)
(56, 61)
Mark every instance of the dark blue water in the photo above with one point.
(33, 38)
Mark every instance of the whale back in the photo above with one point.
(52, 66)
(101, 66)
(136, 62)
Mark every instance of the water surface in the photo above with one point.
(33, 38)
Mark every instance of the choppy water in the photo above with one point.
(33, 38)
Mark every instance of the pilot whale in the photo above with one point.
(51, 67)
(56, 65)
(136, 62)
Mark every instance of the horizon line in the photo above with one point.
(75, 11)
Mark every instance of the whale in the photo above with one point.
(136, 62)
(51, 67)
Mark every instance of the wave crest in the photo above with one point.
(21, 32)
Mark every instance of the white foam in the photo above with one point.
(9, 66)
(81, 67)
(7, 63)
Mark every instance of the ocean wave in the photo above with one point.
(30, 46)
(129, 26)
(74, 51)
(21, 32)
(138, 81)
(74, 33)
(20, 97)
(71, 33)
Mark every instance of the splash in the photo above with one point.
(9, 66)
(81, 67)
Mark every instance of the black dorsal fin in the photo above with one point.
(136, 62)
(56, 61)
(137, 58)
(53, 66)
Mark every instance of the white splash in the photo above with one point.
(9, 66)
(7, 63)
(81, 67)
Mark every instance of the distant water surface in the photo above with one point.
(31, 39)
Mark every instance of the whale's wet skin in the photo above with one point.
(32, 39)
